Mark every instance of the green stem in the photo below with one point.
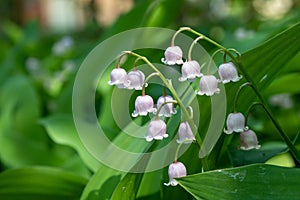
(250, 108)
(177, 32)
(119, 59)
(237, 94)
(178, 148)
(169, 85)
(244, 72)
(191, 112)
(212, 56)
(192, 46)
(135, 63)
(164, 91)
(147, 80)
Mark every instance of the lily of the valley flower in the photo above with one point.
(235, 123)
(176, 170)
(228, 72)
(190, 70)
(117, 77)
(168, 109)
(185, 133)
(248, 140)
(134, 80)
(173, 55)
(156, 130)
(143, 105)
(208, 85)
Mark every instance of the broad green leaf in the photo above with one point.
(162, 13)
(20, 110)
(40, 183)
(146, 13)
(288, 83)
(259, 181)
(128, 187)
(132, 19)
(150, 184)
(268, 150)
(102, 185)
(267, 60)
(62, 130)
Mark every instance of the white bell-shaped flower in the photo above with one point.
(235, 123)
(248, 140)
(134, 80)
(143, 105)
(176, 170)
(190, 70)
(117, 77)
(173, 55)
(185, 133)
(208, 85)
(168, 109)
(156, 130)
(228, 72)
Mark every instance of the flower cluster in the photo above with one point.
(144, 103)
(133, 80)
(236, 123)
(164, 108)
(190, 70)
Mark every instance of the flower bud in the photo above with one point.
(235, 123)
(173, 55)
(185, 133)
(134, 80)
(156, 130)
(176, 170)
(248, 140)
(168, 109)
(208, 85)
(117, 77)
(190, 70)
(143, 105)
(228, 72)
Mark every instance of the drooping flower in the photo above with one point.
(176, 170)
(117, 77)
(173, 55)
(134, 80)
(143, 105)
(168, 109)
(185, 133)
(208, 85)
(156, 130)
(248, 140)
(235, 123)
(228, 72)
(190, 70)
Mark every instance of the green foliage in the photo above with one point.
(257, 181)
(62, 130)
(37, 128)
(40, 183)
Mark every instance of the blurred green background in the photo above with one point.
(43, 43)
